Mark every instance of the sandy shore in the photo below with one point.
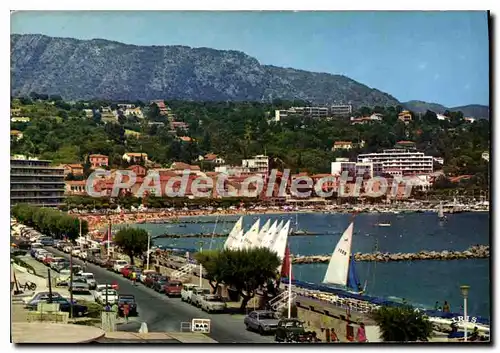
(97, 222)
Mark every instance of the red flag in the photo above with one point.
(285, 268)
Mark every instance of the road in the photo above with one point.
(163, 314)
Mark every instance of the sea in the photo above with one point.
(421, 283)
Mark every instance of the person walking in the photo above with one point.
(361, 335)
(446, 307)
(134, 278)
(126, 311)
(333, 335)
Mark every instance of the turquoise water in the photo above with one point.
(419, 282)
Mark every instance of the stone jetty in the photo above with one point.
(474, 252)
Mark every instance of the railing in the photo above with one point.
(281, 300)
(184, 271)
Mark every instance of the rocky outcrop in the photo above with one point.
(474, 252)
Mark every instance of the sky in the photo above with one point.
(438, 57)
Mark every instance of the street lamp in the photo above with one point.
(147, 255)
(201, 267)
(465, 294)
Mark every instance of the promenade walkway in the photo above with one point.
(40, 332)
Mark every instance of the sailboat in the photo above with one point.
(341, 269)
(441, 212)
(250, 238)
(268, 238)
(234, 235)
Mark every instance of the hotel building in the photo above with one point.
(400, 161)
(35, 182)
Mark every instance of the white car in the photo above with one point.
(112, 296)
(198, 294)
(40, 254)
(119, 264)
(75, 252)
(187, 291)
(90, 279)
(67, 248)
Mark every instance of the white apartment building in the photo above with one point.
(258, 164)
(340, 109)
(357, 169)
(400, 161)
(310, 112)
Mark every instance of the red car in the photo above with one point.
(125, 271)
(173, 288)
(48, 259)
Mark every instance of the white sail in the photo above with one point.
(268, 235)
(263, 231)
(234, 235)
(441, 212)
(250, 238)
(281, 243)
(338, 268)
(272, 235)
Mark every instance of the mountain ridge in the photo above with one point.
(107, 69)
(471, 110)
(85, 69)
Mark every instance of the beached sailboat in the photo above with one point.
(268, 238)
(251, 238)
(251, 233)
(263, 231)
(341, 270)
(234, 236)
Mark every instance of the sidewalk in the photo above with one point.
(23, 332)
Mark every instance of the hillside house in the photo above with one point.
(98, 160)
(342, 145)
(136, 158)
(75, 168)
(405, 116)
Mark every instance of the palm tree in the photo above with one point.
(402, 324)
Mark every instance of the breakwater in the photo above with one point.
(223, 235)
(474, 252)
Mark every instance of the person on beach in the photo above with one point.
(446, 307)
(436, 306)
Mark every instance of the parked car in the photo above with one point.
(130, 300)
(173, 288)
(40, 254)
(34, 249)
(212, 303)
(67, 248)
(56, 262)
(150, 279)
(289, 330)
(48, 259)
(108, 294)
(144, 274)
(90, 279)
(80, 285)
(159, 284)
(118, 265)
(262, 321)
(125, 270)
(41, 295)
(198, 294)
(76, 251)
(46, 241)
(187, 291)
(64, 305)
(109, 264)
